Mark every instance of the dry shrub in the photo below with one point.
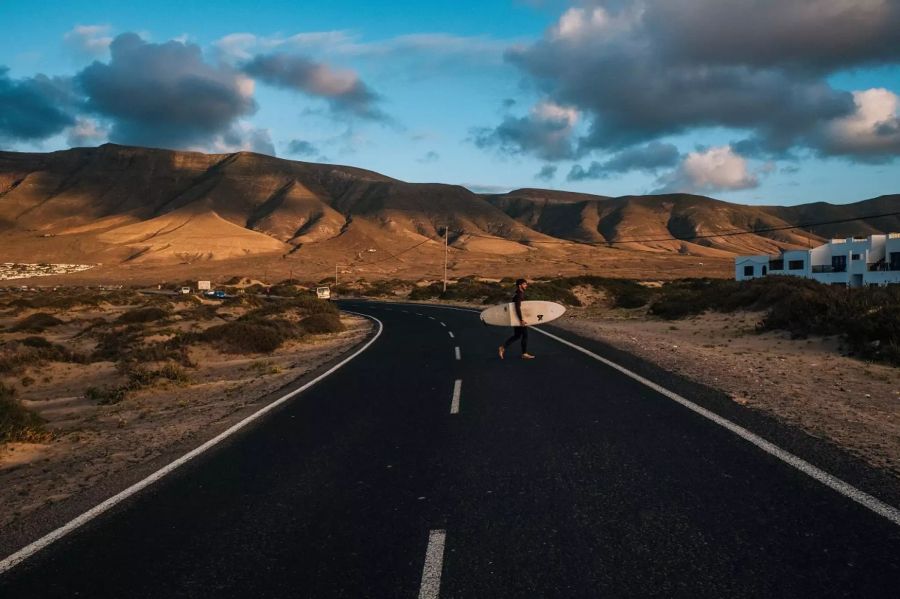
(36, 323)
(141, 315)
(243, 337)
(321, 323)
(17, 423)
(15, 356)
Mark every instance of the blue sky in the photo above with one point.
(752, 101)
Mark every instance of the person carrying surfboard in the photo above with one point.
(520, 332)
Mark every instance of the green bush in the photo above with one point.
(36, 323)
(321, 323)
(17, 423)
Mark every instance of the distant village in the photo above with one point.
(12, 270)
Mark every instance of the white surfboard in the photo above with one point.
(533, 312)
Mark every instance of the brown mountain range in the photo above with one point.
(136, 208)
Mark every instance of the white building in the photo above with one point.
(852, 262)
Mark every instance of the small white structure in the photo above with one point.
(203, 286)
(851, 262)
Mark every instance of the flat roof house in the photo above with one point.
(851, 262)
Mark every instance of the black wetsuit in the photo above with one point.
(520, 332)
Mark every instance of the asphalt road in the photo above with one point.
(556, 477)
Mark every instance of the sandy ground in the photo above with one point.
(805, 382)
(92, 442)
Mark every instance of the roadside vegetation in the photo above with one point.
(148, 338)
(866, 319)
(18, 424)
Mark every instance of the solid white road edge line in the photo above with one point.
(458, 357)
(454, 404)
(434, 564)
(844, 488)
(26, 552)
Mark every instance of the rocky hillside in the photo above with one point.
(117, 204)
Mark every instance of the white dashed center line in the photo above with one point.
(450, 333)
(454, 404)
(434, 563)
(458, 357)
(443, 324)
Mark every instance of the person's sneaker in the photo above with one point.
(527, 357)
(501, 350)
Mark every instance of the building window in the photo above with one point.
(776, 264)
(764, 271)
(795, 264)
(839, 264)
(895, 260)
(855, 257)
(748, 271)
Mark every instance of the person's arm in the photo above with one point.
(519, 309)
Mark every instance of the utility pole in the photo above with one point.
(446, 250)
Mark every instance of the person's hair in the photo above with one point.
(520, 282)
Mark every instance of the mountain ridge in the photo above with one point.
(117, 204)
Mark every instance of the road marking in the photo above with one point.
(443, 324)
(457, 353)
(434, 563)
(26, 552)
(432, 318)
(454, 404)
(844, 488)
(450, 333)
(832, 482)
(418, 314)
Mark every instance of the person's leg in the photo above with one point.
(524, 340)
(517, 332)
(502, 349)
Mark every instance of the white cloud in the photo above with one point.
(91, 41)
(708, 171)
(873, 129)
